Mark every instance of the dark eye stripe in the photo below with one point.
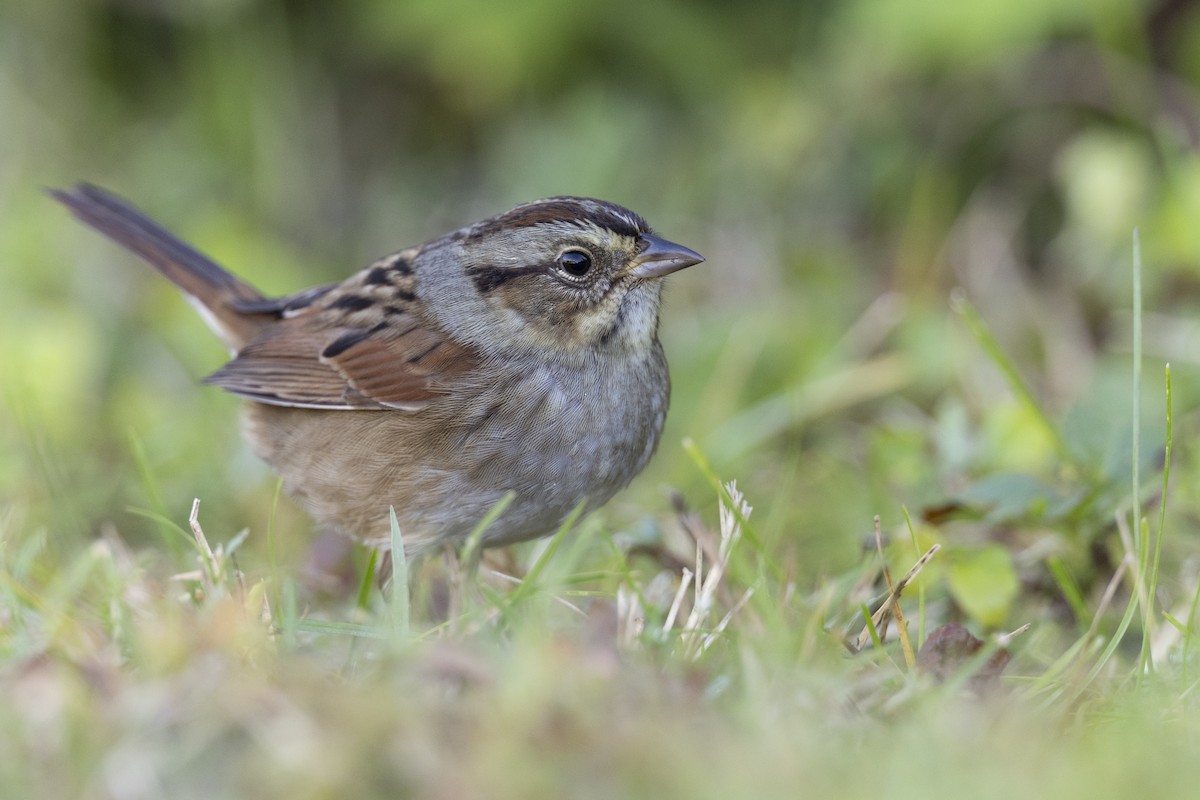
(488, 279)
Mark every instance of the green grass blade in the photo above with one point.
(1156, 554)
(1131, 610)
(1069, 590)
(364, 587)
(991, 347)
(272, 551)
(150, 485)
(289, 613)
(474, 541)
(530, 584)
(165, 522)
(866, 615)
(400, 611)
(1140, 545)
(748, 532)
(1189, 636)
(339, 628)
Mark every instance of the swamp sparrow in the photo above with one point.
(519, 354)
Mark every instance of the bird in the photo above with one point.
(516, 358)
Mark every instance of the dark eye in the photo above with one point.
(575, 262)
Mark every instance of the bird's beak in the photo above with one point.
(661, 258)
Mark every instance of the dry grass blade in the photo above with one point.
(631, 620)
(1005, 639)
(707, 584)
(208, 558)
(677, 603)
(864, 638)
(724, 623)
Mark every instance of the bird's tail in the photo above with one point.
(215, 293)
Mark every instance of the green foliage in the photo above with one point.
(984, 584)
(917, 219)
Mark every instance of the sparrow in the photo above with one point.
(516, 355)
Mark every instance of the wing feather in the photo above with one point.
(305, 362)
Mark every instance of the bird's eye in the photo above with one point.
(575, 262)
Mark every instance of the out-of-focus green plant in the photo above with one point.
(843, 166)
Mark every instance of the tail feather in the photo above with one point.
(215, 292)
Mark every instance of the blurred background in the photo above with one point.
(847, 168)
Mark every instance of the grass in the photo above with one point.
(702, 671)
(682, 681)
(639, 653)
(697, 636)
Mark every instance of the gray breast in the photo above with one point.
(555, 437)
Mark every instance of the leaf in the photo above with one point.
(1011, 495)
(984, 584)
(951, 648)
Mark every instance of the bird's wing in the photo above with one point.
(306, 362)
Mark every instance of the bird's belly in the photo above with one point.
(553, 440)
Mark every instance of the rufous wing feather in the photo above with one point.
(303, 362)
